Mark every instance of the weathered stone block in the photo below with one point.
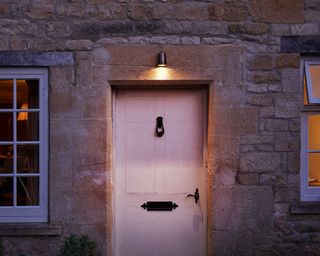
(248, 120)
(162, 12)
(266, 111)
(287, 194)
(294, 162)
(140, 11)
(269, 77)
(253, 139)
(290, 80)
(271, 179)
(274, 125)
(78, 45)
(58, 29)
(232, 11)
(191, 11)
(288, 61)
(248, 178)
(304, 29)
(275, 11)
(248, 28)
(260, 62)
(287, 106)
(287, 141)
(259, 99)
(259, 162)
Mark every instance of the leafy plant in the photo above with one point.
(78, 246)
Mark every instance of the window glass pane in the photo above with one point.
(6, 191)
(6, 94)
(314, 132)
(27, 191)
(27, 94)
(314, 169)
(28, 158)
(6, 159)
(6, 126)
(315, 80)
(27, 126)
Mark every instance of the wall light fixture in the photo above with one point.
(162, 59)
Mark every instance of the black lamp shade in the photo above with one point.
(162, 59)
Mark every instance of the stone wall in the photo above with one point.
(254, 147)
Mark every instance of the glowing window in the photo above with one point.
(23, 145)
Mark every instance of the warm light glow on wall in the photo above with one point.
(160, 73)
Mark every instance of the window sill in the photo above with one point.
(30, 230)
(305, 208)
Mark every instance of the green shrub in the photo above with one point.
(78, 246)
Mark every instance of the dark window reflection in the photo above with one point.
(6, 126)
(28, 191)
(27, 126)
(27, 94)
(6, 191)
(28, 158)
(6, 159)
(6, 94)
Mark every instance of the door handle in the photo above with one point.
(196, 195)
(159, 127)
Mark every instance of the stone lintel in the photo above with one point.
(305, 208)
(30, 230)
(300, 44)
(36, 58)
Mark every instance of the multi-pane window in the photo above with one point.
(23, 144)
(310, 132)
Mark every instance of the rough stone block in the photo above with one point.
(274, 125)
(191, 11)
(304, 29)
(224, 242)
(287, 141)
(259, 162)
(259, 99)
(294, 162)
(288, 61)
(260, 62)
(266, 111)
(287, 106)
(275, 11)
(58, 29)
(140, 11)
(248, 120)
(248, 178)
(253, 139)
(248, 28)
(291, 80)
(269, 77)
(78, 45)
(271, 179)
(286, 194)
(231, 11)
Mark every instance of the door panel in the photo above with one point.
(167, 168)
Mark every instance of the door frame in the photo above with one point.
(207, 87)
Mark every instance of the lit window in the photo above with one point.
(23, 144)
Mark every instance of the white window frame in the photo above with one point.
(307, 63)
(307, 193)
(32, 213)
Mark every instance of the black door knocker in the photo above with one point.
(159, 128)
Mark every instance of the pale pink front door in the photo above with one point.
(149, 168)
